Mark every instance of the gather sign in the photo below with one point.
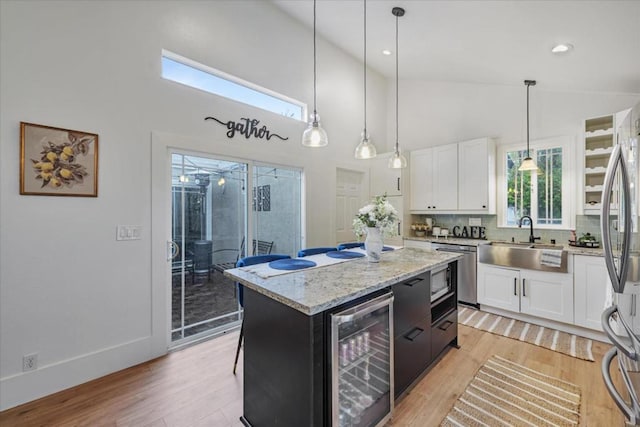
(248, 128)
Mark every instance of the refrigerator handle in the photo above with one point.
(606, 374)
(618, 278)
(628, 351)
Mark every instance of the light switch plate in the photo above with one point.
(128, 232)
(477, 222)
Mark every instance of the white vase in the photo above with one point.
(373, 244)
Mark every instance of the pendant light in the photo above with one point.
(397, 161)
(528, 164)
(314, 135)
(365, 150)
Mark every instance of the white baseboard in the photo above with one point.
(571, 329)
(25, 387)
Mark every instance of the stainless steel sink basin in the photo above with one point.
(520, 255)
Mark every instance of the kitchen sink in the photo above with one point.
(521, 255)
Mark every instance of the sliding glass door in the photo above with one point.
(223, 210)
(277, 210)
(209, 224)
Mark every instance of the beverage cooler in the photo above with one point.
(361, 363)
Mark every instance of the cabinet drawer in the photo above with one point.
(411, 303)
(412, 354)
(443, 332)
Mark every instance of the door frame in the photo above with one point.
(163, 145)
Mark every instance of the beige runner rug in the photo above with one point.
(504, 393)
(552, 339)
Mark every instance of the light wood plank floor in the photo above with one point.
(195, 387)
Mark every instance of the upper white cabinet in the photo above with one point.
(434, 179)
(454, 178)
(382, 179)
(598, 144)
(476, 175)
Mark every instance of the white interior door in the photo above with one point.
(350, 198)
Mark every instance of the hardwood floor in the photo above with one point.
(195, 387)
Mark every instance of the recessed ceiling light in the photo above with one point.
(386, 52)
(562, 48)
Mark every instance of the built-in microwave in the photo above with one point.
(440, 282)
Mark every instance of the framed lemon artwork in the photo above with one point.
(58, 162)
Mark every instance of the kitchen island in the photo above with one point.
(288, 358)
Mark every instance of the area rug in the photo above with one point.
(504, 393)
(552, 339)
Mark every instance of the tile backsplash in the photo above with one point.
(584, 224)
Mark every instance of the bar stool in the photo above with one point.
(244, 262)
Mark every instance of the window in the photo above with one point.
(544, 194)
(199, 76)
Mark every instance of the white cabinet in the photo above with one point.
(420, 173)
(454, 178)
(498, 287)
(434, 179)
(537, 293)
(547, 295)
(590, 283)
(382, 179)
(476, 176)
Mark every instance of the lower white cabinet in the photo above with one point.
(590, 283)
(537, 293)
(498, 287)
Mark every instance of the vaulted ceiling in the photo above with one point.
(490, 42)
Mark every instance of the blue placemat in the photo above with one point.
(344, 254)
(291, 264)
(387, 248)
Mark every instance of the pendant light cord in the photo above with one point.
(397, 145)
(365, 69)
(315, 113)
(528, 120)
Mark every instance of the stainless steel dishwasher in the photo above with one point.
(467, 285)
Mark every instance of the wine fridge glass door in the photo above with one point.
(362, 363)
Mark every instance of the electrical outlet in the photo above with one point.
(29, 362)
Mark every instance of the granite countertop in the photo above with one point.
(575, 250)
(318, 289)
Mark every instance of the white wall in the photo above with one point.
(436, 113)
(89, 305)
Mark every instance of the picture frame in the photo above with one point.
(58, 162)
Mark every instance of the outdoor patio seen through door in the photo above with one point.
(223, 210)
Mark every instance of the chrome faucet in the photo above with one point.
(532, 239)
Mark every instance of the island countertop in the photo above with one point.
(315, 290)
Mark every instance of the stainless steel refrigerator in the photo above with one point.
(621, 243)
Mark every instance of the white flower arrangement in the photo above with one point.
(379, 214)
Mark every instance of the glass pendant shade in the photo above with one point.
(314, 135)
(397, 161)
(528, 165)
(365, 150)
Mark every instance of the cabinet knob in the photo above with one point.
(484, 206)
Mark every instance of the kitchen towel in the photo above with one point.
(551, 257)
